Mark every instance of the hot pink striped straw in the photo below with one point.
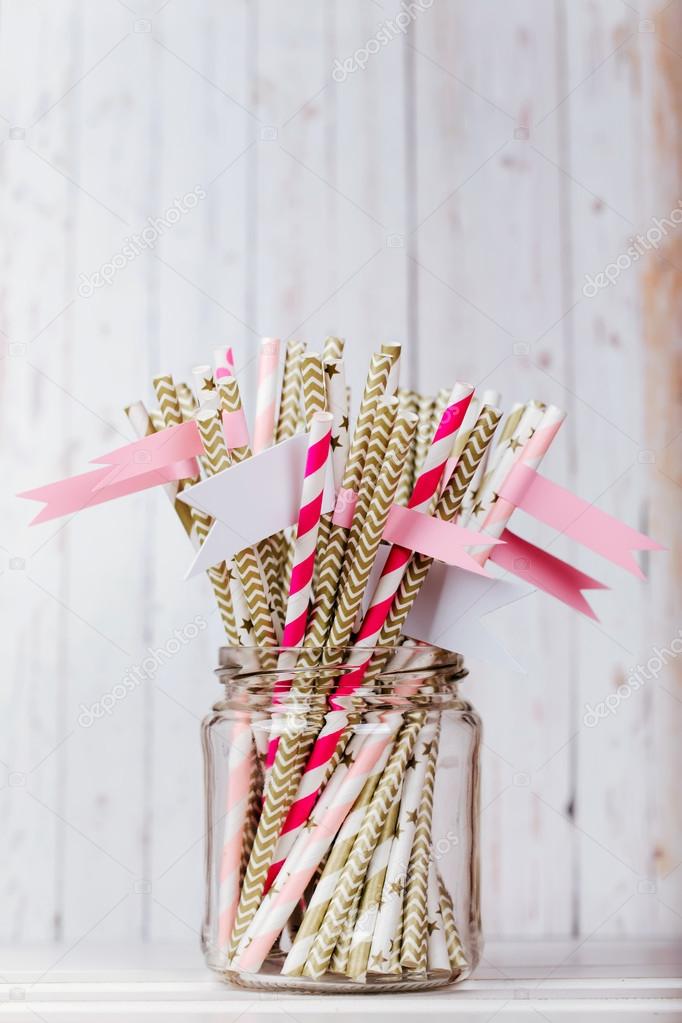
(369, 753)
(300, 584)
(266, 394)
(223, 362)
(425, 488)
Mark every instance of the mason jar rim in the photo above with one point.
(244, 663)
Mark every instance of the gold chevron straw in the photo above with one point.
(290, 398)
(288, 423)
(324, 890)
(394, 351)
(331, 557)
(145, 423)
(335, 385)
(446, 509)
(425, 405)
(171, 412)
(186, 400)
(382, 475)
(413, 953)
(196, 529)
(339, 960)
(332, 348)
(361, 928)
(387, 411)
(359, 858)
(410, 403)
(454, 942)
(312, 384)
(504, 457)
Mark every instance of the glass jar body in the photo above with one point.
(342, 842)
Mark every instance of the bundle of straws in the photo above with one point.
(336, 850)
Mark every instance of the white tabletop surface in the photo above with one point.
(516, 981)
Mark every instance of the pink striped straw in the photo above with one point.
(266, 394)
(369, 754)
(223, 361)
(531, 454)
(426, 486)
(301, 582)
(240, 760)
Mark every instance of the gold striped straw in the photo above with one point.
(247, 561)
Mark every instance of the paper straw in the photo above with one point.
(290, 399)
(440, 403)
(335, 385)
(531, 455)
(266, 394)
(388, 917)
(454, 943)
(425, 406)
(253, 810)
(288, 422)
(363, 926)
(216, 459)
(187, 401)
(239, 775)
(425, 489)
(365, 753)
(341, 953)
(156, 419)
(205, 387)
(332, 348)
(383, 478)
(414, 944)
(248, 562)
(167, 397)
(503, 457)
(394, 352)
(358, 860)
(447, 508)
(409, 402)
(326, 885)
(437, 957)
(387, 410)
(277, 799)
(312, 386)
(331, 561)
(223, 362)
(331, 738)
(143, 425)
(307, 528)
(300, 584)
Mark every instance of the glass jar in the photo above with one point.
(342, 821)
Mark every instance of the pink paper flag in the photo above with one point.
(544, 571)
(564, 511)
(441, 540)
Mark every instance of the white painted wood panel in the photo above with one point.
(452, 194)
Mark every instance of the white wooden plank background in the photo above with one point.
(451, 195)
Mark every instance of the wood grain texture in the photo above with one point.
(451, 195)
